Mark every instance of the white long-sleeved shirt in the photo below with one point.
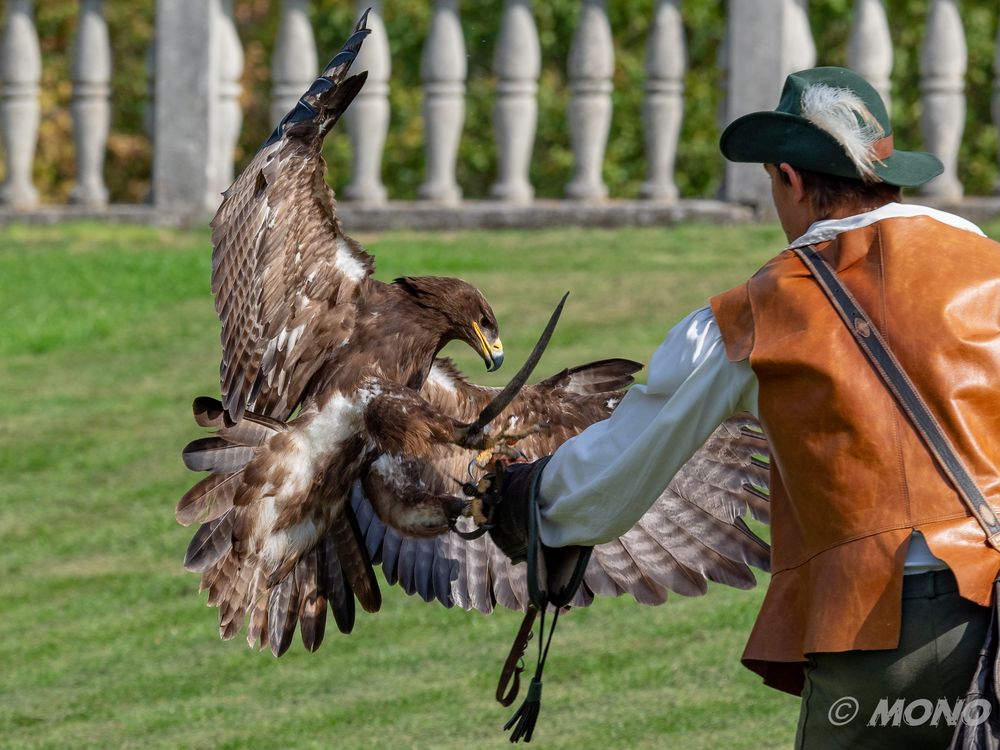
(599, 483)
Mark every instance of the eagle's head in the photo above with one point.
(460, 311)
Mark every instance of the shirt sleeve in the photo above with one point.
(600, 482)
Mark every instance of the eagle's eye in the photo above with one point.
(484, 322)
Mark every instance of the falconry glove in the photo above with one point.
(509, 502)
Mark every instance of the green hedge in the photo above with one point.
(699, 166)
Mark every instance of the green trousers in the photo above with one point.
(908, 697)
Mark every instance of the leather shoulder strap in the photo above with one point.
(902, 388)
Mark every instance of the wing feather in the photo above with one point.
(284, 273)
(619, 564)
(477, 575)
(208, 499)
(257, 627)
(282, 614)
(596, 579)
(354, 561)
(692, 534)
(212, 540)
(312, 599)
(444, 571)
(338, 593)
(455, 551)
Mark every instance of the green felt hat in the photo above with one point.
(824, 112)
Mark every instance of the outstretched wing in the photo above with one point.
(284, 274)
(693, 533)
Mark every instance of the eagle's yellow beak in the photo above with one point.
(492, 352)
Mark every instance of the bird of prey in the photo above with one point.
(342, 441)
(307, 330)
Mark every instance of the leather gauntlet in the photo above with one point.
(508, 501)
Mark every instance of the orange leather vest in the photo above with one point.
(850, 478)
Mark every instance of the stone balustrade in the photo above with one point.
(195, 116)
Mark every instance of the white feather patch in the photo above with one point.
(841, 114)
(279, 545)
(293, 336)
(391, 470)
(346, 263)
(337, 420)
(441, 378)
(313, 441)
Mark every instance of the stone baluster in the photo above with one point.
(294, 64)
(368, 117)
(91, 105)
(722, 62)
(228, 119)
(663, 108)
(21, 63)
(591, 65)
(443, 70)
(996, 93)
(184, 111)
(943, 60)
(800, 49)
(869, 46)
(517, 64)
(765, 41)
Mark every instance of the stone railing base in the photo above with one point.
(424, 215)
(473, 214)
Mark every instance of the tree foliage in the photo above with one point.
(699, 166)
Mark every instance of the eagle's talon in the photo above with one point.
(502, 442)
(477, 512)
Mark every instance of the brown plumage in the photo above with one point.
(341, 441)
(307, 331)
(692, 534)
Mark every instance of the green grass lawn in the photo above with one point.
(106, 334)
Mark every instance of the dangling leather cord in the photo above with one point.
(512, 668)
(524, 719)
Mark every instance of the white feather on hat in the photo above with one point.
(842, 114)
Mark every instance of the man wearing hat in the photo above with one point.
(880, 577)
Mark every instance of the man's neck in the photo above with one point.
(847, 210)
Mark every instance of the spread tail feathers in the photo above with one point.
(234, 582)
(225, 454)
(238, 588)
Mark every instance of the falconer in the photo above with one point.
(881, 578)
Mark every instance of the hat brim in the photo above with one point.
(780, 137)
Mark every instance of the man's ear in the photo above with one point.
(794, 181)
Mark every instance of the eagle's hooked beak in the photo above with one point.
(491, 351)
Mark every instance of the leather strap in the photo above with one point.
(522, 723)
(899, 384)
(510, 676)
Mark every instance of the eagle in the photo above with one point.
(342, 440)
